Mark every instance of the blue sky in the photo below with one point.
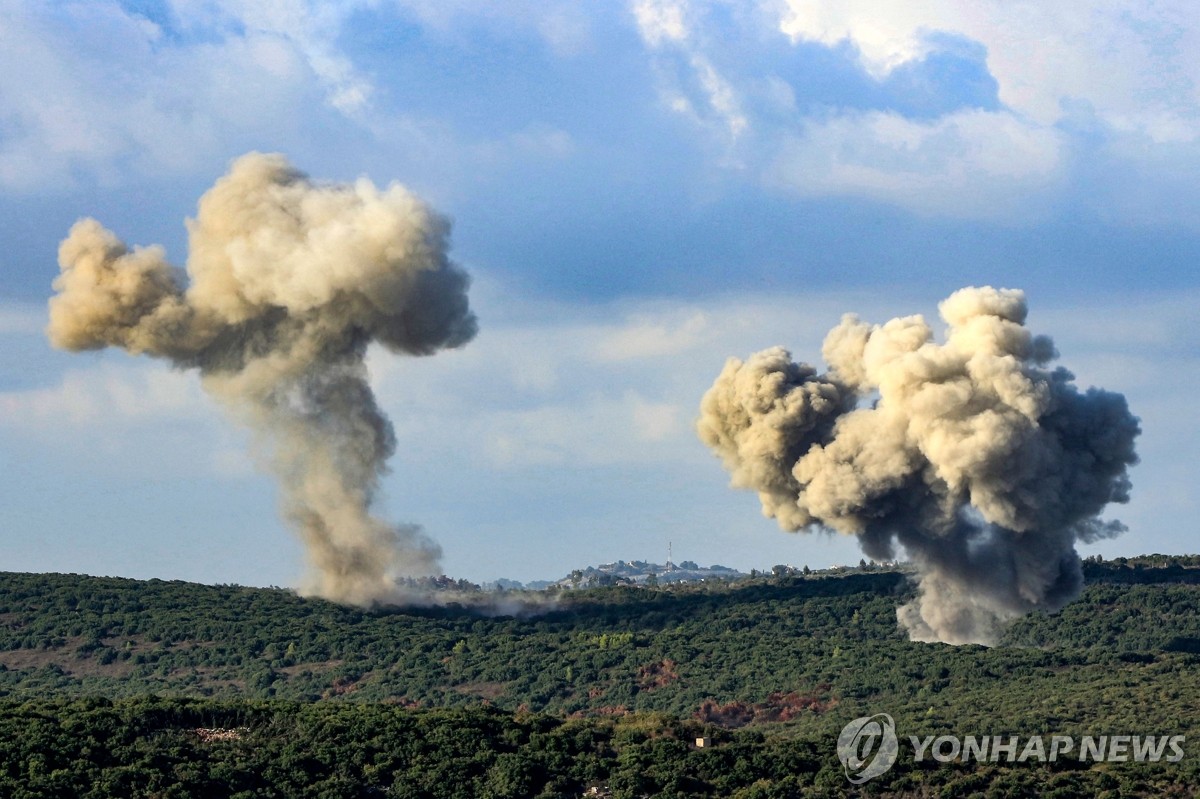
(640, 190)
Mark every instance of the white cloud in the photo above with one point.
(657, 421)
(534, 143)
(1136, 64)
(968, 163)
(722, 97)
(21, 319)
(112, 417)
(649, 336)
(660, 21)
(534, 395)
(90, 87)
(93, 91)
(1100, 98)
(613, 386)
(692, 84)
(883, 42)
(595, 431)
(103, 395)
(565, 26)
(980, 164)
(1095, 98)
(309, 27)
(1151, 324)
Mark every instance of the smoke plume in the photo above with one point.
(287, 283)
(984, 463)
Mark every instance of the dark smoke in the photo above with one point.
(983, 463)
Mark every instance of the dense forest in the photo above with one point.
(123, 688)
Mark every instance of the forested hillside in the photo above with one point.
(598, 686)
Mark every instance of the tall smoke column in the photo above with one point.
(287, 283)
(982, 462)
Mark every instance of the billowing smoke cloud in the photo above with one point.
(981, 461)
(287, 283)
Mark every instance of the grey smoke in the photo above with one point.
(984, 463)
(287, 283)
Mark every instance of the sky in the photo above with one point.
(639, 190)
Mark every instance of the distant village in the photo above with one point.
(640, 573)
(646, 574)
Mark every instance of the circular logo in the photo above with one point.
(867, 747)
